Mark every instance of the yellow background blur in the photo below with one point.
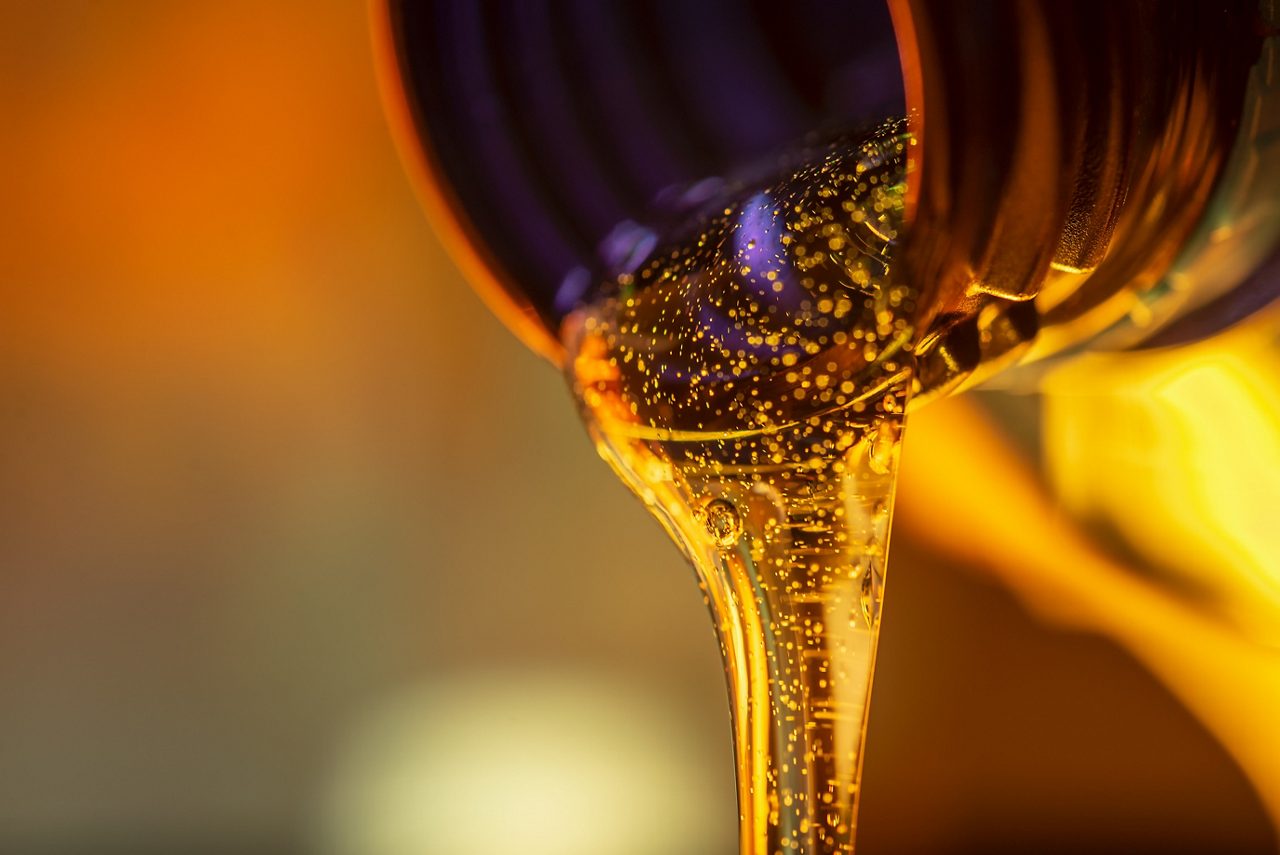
(300, 551)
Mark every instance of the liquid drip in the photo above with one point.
(749, 384)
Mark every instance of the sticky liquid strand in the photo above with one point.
(748, 383)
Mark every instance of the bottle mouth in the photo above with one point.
(541, 130)
(1067, 152)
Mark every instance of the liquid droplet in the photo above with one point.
(872, 594)
(884, 445)
(723, 522)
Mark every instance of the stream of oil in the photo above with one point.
(748, 382)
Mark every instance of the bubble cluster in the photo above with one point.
(775, 308)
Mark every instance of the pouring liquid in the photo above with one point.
(749, 385)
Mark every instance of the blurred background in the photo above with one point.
(301, 552)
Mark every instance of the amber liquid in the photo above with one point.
(749, 381)
(749, 385)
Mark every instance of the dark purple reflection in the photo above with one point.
(555, 122)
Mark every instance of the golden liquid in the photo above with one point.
(749, 385)
(749, 382)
